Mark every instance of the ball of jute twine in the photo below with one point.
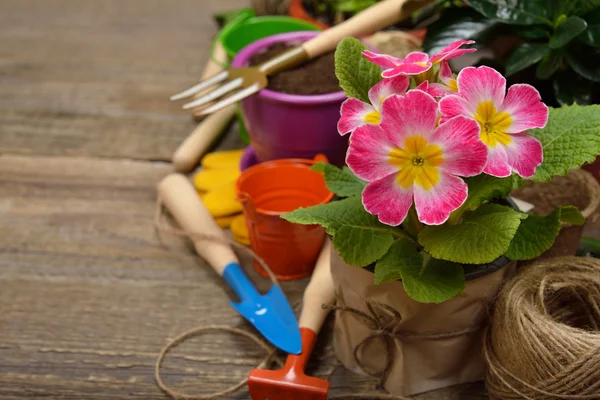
(544, 338)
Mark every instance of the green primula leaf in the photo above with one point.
(584, 60)
(536, 234)
(401, 254)
(570, 139)
(356, 74)
(516, 12)
(358, 236)
(482, 189)
(525, 55)
(567, 31)
(482, 236)
(434, 281)
(456, 24)
(571, 215)
(570, 88)
(548, 66)
(591, 36)
(340, 181)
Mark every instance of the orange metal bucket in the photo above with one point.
(270, 189)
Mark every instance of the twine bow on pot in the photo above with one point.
(385, 330)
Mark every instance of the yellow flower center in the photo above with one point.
(418, 162)
(452, 85)
(493, 124)
(373, 118)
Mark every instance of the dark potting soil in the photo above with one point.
(313, 77)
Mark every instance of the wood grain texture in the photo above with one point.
(93, 78)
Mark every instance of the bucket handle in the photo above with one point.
(250, 209)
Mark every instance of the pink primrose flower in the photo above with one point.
(408, 157)
(355, 113)
(416, 62)
(503, 118)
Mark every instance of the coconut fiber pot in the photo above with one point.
(413, 347)
(282, 125)
(578, 188)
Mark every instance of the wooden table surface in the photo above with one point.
(88, 295)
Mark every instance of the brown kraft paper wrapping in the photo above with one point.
(430, 345)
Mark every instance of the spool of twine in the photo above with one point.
(544, 339)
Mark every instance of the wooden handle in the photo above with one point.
(188, 154)
(182, 201)
(319, 291)
(212, 68)
(371, 20)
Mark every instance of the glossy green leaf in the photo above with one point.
(455, 24)
(569, 88)
(517, 12)
(591, 36)
(567, 31)
(525, 55)
(548, 65)
(585, 61)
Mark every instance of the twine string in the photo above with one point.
(543, 342)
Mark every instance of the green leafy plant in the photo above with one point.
(558, 40)
(429, 259)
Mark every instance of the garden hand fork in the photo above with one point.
(252, 79)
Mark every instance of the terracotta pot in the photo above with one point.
(413, 347)
(578, 188)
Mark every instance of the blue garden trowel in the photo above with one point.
(270, 313)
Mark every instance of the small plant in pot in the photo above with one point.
(422, 227)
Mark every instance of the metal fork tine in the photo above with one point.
(232, 99)
(213, 80)
(228, 87)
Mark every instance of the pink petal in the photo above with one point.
(383, 60)
(414, 113)
(386, 88)
(439, 90)
(453, 105)
(406, 69)
(445, 73)
(435, 205)
(524, 154)
(481, 84)
(452, 51)
(524, 104)
(353, 112)
(388, 200)
(464, 154)
(416, 57)
(497, 164)
(368, 153)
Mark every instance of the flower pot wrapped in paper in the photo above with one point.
(422, 229)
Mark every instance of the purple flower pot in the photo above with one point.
(284, 125)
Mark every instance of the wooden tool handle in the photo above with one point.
(371, 20)
(182, 201)
(188, 154)
(319, 291)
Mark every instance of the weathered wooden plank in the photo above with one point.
(93, 77)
